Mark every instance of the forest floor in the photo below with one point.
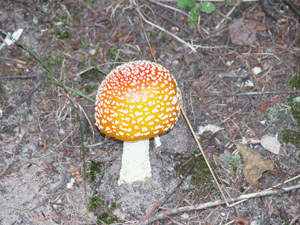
(238, 70)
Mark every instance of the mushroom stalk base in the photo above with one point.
(135, 162)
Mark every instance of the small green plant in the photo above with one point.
(234, 162)
(228, 3)
(112, 52)
(17, 84)
(163, 38)
(84, 44)
(90, 79)
(242, 189)
(65, 35)
(271, 115)
(295, 82)
(107, 219)
(293, 136)
(95, 168)
(206, 7)
(95, 202)
(201, 179)
(53, 59)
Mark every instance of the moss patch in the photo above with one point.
(202, 181)
(91, 80)
(94, 203)
(108, 219)
(95, 168)
(295, 82)
(292, 136)
(104, 213)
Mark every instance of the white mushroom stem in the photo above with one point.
(135, 162)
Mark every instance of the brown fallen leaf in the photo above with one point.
(254, 164)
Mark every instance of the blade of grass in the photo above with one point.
(46, 67)
(67, 88)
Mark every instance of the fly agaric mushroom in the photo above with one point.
(137, 101)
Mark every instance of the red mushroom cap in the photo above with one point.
(137, 100)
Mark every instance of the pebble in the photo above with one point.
(184, 216)
(256, 70)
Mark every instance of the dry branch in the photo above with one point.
(164, 30)
(266, 93)
(166, 214)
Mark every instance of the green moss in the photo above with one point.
(294, 102)
(295, 82)
(112, 53)
(2, 89)
(53, 59)
(91, 80)
(90, 75)
(89, 90)
(202, 180)
(84, 44)
(163, 38)
(108, 219)
(234, 162)
(17, 84)
(65, 35)
(95, 168)
(242, 189)
(94, 203)
(106, 216)
(291, 136)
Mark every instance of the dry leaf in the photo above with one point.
(270, 143)
(254, 164)
(242, 32)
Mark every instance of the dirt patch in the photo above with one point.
(221, 81)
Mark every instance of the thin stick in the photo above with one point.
(204, 156)
(266, 93)
(227, 15)
(169, 33)
(165, 214)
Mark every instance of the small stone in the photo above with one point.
(70, 184)
(49, 159)
(119, 214)
(185, 216)
(229, 63)
(61, 132)
(249, 83)
(176, 63)
(256, 70)
(92, 51)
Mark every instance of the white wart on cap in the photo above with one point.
(137, 101)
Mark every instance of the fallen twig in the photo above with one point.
(227, 15)
(164, 30)
(27, 97)
(165, 214)
(251, 93)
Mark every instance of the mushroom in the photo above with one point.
(137, 101)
